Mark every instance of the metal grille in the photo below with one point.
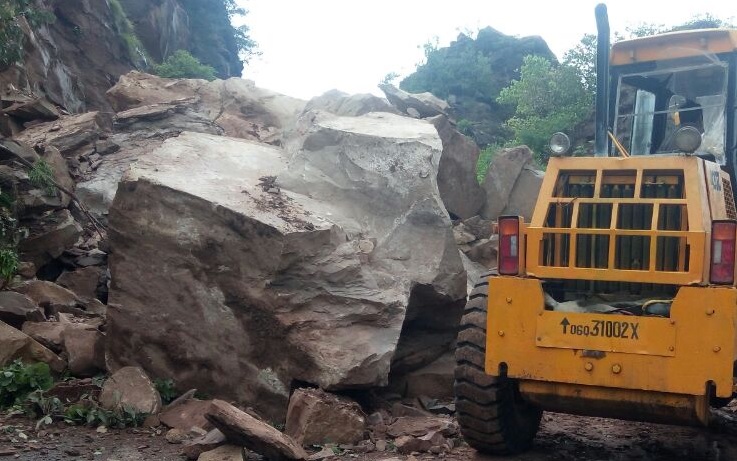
(729, 199)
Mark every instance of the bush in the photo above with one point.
(167, 390)
(183, 65)
(485, 158)
(18, 380)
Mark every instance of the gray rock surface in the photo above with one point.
(501, 178)
(339, 103)
(423, 104)
(316, 417)
(310, 275)
(461, 193)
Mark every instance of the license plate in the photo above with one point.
(607, 333)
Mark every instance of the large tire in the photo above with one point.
(492, 417)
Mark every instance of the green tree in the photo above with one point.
(12, 13)
(460, 70)
(183, 65)
(547, 98)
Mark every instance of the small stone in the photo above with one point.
(130, 386)
(176, 436)
(380, 445)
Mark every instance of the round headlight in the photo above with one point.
(687, 139)
(559, 144)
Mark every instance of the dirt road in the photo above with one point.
(562, 438)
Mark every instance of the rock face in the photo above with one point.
(316, 417)
(311, 275)
(461, 193)
(512, 184)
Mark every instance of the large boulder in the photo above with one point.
(421, 105)
(512, 184)
(461, 193)
(130, 387)
(229, 258)
(316, 417)
(339, 103)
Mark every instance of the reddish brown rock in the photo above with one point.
(15, 344)
(316, 417)
(131, 387)
(85, 348)
(187, 414)
(16, 308)
(83, 281)
(224, 453)
(210, 441)
(241, 428)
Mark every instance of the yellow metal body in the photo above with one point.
(674, 45)
(656, 364)
(641, 367)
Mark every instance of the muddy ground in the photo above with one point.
(562, 437)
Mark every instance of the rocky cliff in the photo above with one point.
(81, 53)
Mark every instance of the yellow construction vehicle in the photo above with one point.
(618, 298)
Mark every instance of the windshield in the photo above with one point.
(652, 105)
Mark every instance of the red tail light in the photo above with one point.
(723, 235)
(509, 245)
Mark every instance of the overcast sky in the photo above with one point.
(311, 46)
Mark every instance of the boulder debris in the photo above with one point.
(316, 417)
(512, 184)
(130, 387)
(243, 429)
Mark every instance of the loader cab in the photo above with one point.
(674, 94)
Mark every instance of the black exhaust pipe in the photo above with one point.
(601, 141)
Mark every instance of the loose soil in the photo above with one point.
(562, 437)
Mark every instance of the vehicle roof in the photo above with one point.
(673, 45)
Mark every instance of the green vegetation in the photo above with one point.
(183, 65)
(485, 157)
(127, 33)
(22, 390)
(167, 390)
(547, 98)
(218, 43)
(11, 35)
(88, 412)
(451, 71)
(42, 176)
(18, 380)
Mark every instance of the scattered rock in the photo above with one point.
(194, 448)
(243, 429)
(224, 453)
(83, 281)
(316, 417)
(50, 236)
(46, 333)
(322, 454)
(407, 444)
(418, 426)
(187, 414)
(130, 386)
(85, 349)
(176, 435)
(15, 344)
(15, 309)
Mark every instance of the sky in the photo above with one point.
(312, 46)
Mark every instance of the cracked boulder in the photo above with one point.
(263, 267)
